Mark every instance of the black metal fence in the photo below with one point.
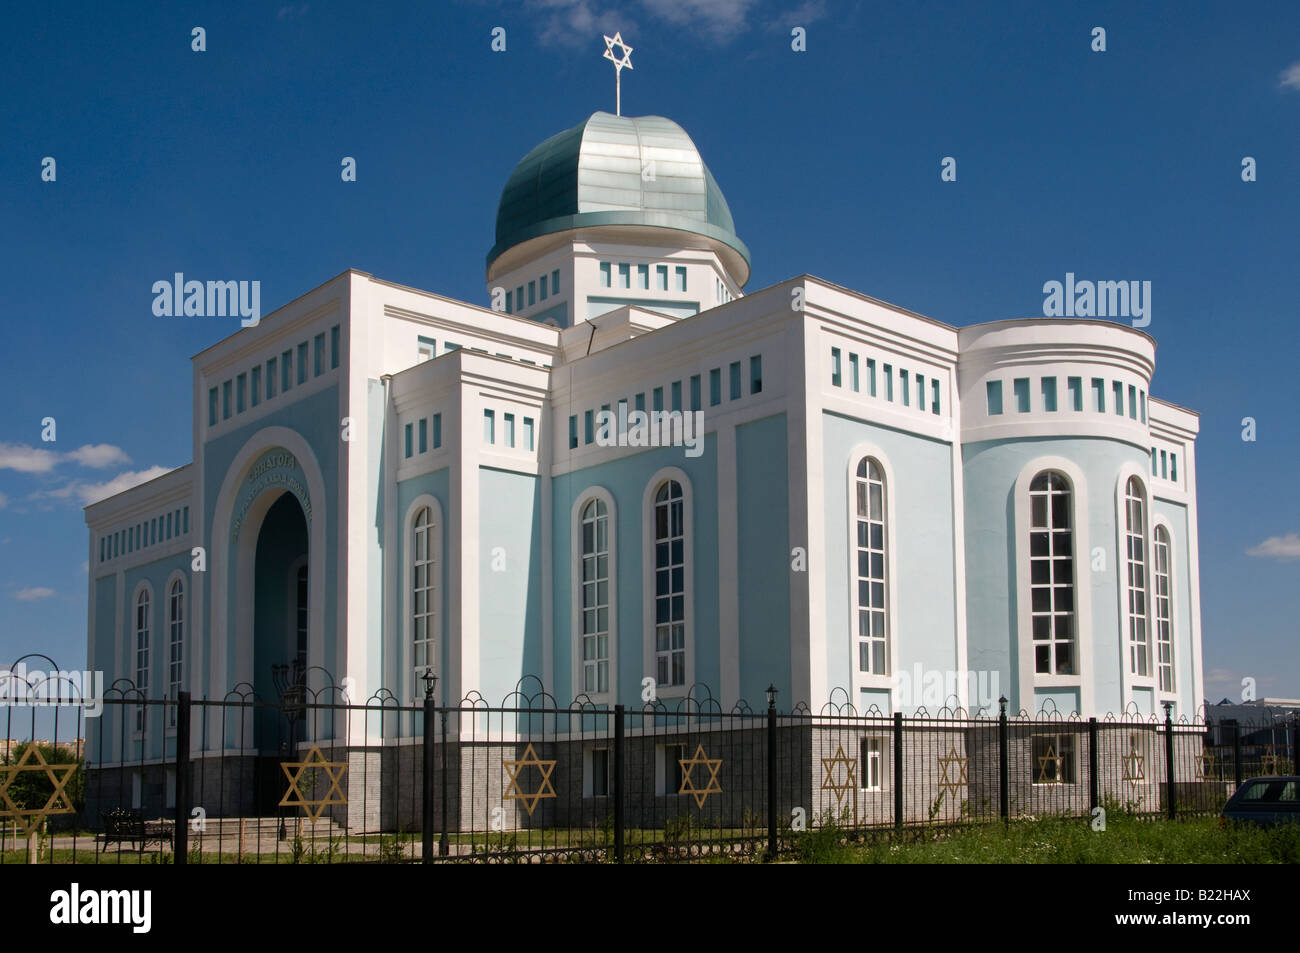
(316, 777)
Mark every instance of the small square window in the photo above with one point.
(489, 426)
(715, 387)
(1118, 390)
(302, 363)
(661, 276)
(437, 431)
(588, 427)
(532, 293)
(756, 374)
(888, 371)
(318, 353)
(668, 769)
(1075, 386)
(934, 395)
(255, 386)
(835, 367)
(677, 395)
(681, 278)
(657, 399)
(1020, 391)
(871, 774)
(734, 370)
(225, 399)
(853, 372)
(555, 282)
(508, 428)
(1054, 759)
(422, 426)
(624, 275)
(695, 392)
(212, 407)
(993, 394)
(528, 433)
(1049, 394)
(1132, 402)
(510, 302)
(408, 432)
(871, 377)
(596, 780)
(639, 402)
(286, 371)
(643, 277)
(241, 389)
(906, 388)
(334, 347)
(1098, 395)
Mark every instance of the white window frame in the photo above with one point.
(588, 495)
(1055, 738)
(1160, 525)
(876, 746)
(142, 591)
(662, 764)
(874, 476)
(1053, 612)
(1130, 680)
(648, 577)
(175, 627)
(867, 681)
(589, 771)
(1030, 679)
(407, 676)
(1137, 563)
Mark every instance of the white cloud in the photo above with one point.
(90, 493)
(98, 455)
(720, 20)
(33, 592)
(1278, 547)
(578, 24)
(24, 459)
(1290, 77)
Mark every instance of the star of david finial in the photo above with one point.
(622, 61)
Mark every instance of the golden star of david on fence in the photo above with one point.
(1050, 758)
(948, 782)
(850, 770)
(1205, 766)
(1135, 769)
(544, 791)
(27, 818)
(1269, 762)
(688, 783)
(296, 797)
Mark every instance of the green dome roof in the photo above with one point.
(591, 175)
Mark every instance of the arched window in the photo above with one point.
(423, 620)
(142, 627)
(870, 539)
(670, 585)
(1051, 574)
(1135, 545)
(1164, 616)
(175, 645)
(595, 597)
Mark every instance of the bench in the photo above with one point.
(122, 825)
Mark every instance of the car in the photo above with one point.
(1264, 802)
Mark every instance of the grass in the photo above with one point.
(1065, 840)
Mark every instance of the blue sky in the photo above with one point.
(225, 164)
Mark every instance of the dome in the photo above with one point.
(591, 175)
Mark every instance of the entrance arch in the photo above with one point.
(274, 464)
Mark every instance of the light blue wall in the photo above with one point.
(990, 472)
(763, 494)
(626, 481)
(510, 581)
(924, 616)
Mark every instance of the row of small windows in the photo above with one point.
(143, 628)
(526, 435)
(624, 271)
(735, 386)
(1022, 398)
(537, 291)
(856, 369)
(246, 390)
(146, 533)
(1164, 464)
(721, 293)
(416, 434)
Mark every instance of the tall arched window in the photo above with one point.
(1135, 585)
(670, 585)
(175, 645)
(870, 539)
(142, 627)
(1164, 616)
(423, 620)
(595, 597)
(1051, 574)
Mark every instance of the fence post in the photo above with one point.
(442, 840)
(1004, 778)
(1169, 759)
(1093, 761)
(1295, 746)
(898, 770)
(181, 838)
(618, 783)
(426, 795)
(1236, 752)
(771, 773)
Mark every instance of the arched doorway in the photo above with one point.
(280, 626)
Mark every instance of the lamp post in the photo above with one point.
(430, 680)
(771, 772)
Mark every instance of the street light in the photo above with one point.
(771, 695)
(430, 680)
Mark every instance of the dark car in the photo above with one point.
(1265, 802)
